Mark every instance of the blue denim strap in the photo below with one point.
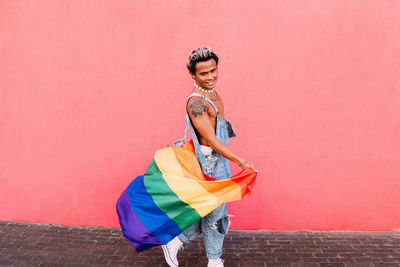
(183, 140)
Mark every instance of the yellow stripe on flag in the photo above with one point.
(225, 190)
(188, 190)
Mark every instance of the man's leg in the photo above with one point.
(214, 227)
(190, 233)
(172, 248)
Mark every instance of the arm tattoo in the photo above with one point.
(198, 108)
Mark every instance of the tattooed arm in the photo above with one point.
(198, 112)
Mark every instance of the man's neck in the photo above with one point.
(212, 96)
(197, 86)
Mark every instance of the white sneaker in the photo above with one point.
(215, 262)
(171, 250)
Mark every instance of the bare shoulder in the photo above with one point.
(197, 107)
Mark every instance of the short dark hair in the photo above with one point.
(200, 54)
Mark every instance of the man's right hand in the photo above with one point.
(247, 164)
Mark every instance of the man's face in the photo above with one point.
(206, 74)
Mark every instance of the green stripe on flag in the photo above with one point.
(166, 199)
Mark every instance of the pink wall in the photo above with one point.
(90, 89)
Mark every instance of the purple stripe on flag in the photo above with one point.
(133, 229)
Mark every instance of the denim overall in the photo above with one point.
(213, 226)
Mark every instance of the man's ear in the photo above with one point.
(193, 76)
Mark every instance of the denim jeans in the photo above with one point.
(213, 226)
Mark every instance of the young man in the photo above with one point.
(210, 133)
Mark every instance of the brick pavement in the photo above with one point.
(30, 244)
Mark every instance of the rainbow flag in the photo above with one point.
(172, 195)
